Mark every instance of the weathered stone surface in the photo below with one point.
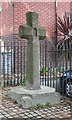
(32, 32)
(29, 98)
(26, 101)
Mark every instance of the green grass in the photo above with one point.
(40, 106)
(9, 89)
(23, 83)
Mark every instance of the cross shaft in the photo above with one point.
(32, 33)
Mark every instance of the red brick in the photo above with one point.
(46, 15)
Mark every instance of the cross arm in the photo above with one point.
(42, 33)
(25, 31)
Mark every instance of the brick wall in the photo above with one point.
(46, 15)
(7, 18)
(71, 6)
(62, 7)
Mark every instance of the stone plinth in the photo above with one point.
(28, 98)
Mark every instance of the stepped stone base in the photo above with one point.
(28, 98)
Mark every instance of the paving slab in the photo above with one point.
(57, 110)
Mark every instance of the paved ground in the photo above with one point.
(10, 109)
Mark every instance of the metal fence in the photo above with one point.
(55, 65)
(13, 63)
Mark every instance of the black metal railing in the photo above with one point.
(55, 65)
(13, 63)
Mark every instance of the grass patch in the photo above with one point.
(48, 104)
(39, 106)
(9, 89)
(23, 83)
(2, 88)
(19, 105)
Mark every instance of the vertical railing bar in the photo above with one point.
(53, 64)
(56, 64)
(60, 50)
(24, 60)
(43, 64)
(11, 64)
(7, 65)
(50, 63)
(4, 64)
(63, 73)
(66, 51)
(45, 61)
(21, 59)
(14, 62)
(17, 62)
(40, 63)
(70, 55)
(48, 66)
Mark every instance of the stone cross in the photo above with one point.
(32, 32)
